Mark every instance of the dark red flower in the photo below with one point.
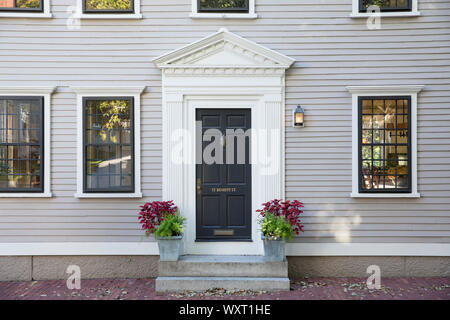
(153, 213)
(291, 210)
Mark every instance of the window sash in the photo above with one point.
(223, 10)
(360, 145)
(85, 146)
(409, 8)
(108, 11)
(40, 145)
(15, 9)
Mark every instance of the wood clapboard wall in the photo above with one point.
(332, 50)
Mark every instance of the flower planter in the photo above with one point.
(274, 250)
(169, 248)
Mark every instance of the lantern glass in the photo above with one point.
(298, 117)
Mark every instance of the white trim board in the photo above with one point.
(409, 90)
(46, 93)
(134, 92)
(293, 249)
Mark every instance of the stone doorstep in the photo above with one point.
(223, 266)
(203, 272)
(180, 284)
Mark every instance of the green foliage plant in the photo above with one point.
(276, 227)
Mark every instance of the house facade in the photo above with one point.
(105, 107)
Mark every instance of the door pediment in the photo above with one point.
(223, 50)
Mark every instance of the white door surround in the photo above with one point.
(222, 71)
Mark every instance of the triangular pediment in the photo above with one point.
(224, 49)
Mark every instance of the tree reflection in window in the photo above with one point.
(108, 6)
(385, 5)
(21, 5)
(223, 5)
(109, 145)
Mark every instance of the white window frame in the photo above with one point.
(213, 15)
(358, 91)
(356, 14)
(44, 14)
(109, 92)
(136, 15)
(46, 93)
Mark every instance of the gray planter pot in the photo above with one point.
(169, 248)
(274, 250)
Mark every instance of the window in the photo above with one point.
(21, 144)
(386, 5)
(108, 9)
(384, 144)
(108, 144)
(108, 6)
(108, 154)
(21, 5)
(25, 9)
(227, 9)
(25, 142)
(223, 6)
(388, 8)
(384, 141)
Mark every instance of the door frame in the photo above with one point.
(179, 177)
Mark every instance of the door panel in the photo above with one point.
(224, 190)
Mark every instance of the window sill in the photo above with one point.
(107, 195)
(385, 14)
(26, 195)
(385, 195)
(109, 16)
(25, 15)
(223, 15)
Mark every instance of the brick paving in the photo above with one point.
(301, 289)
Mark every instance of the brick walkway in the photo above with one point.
(301, 289)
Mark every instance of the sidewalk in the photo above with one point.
(301, 289)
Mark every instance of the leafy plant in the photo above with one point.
(172, 225)
(153, 213)
(276, 227)
(290, 210)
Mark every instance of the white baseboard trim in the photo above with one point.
(292, 249)
(78, 248)
(368, 249)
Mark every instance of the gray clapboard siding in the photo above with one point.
(332, 51)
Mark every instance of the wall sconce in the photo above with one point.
(298, 117)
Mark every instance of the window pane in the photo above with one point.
(20, 4)
(20, 144)
(223, 5)
(386, 5)
(108, 151)
(384, 145)
(114, 5)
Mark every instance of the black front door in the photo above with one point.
(224, 175)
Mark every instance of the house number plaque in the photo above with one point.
(223, 189)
